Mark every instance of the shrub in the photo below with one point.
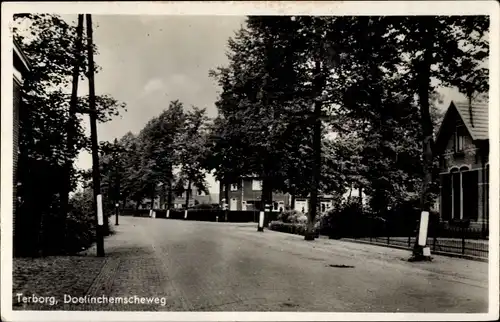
(291, 228)
(80, 226)
(292, 216)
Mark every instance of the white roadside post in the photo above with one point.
(168, 213)
(422, 237)
(100, 216)
(421, 251)
(185, 213)
(153, 214)
(262, 214)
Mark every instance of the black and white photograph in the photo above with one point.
(253, 161)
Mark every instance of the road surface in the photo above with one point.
(203, 266)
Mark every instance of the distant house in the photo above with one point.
(246, 193)
(462, 146)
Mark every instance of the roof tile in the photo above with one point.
(478, 126)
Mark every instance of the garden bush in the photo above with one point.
(292, 216)
(290, 228)
(81, 225)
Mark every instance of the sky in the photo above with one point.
(148, 61)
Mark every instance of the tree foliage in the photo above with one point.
(48, 41)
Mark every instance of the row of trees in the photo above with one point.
(165, 158)
(369, 81)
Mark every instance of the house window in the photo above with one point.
(256, 185)
(234, 187)
(459, 139)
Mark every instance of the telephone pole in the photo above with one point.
(95, 148)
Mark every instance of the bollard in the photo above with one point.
(153, 214)
(422, 252)
(185, 214)
(168, 213)
(260, 227)
(216, 218)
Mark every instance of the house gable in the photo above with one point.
(459, 141)
(473, 125)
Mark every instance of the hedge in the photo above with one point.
(291, 228)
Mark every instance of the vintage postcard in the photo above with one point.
(225, 161)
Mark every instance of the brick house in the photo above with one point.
(246, 195)
(21, 67)
(462, 146)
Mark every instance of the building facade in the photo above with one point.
(21, 68)
(462, 146)
(246, 194)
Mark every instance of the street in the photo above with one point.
(203, 266)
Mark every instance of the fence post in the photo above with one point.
(409, 240)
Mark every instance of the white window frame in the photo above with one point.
(234, 187)
(256, 185)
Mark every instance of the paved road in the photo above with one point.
(201, 266)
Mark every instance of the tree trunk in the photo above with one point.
(226, 197)
(69, 132)
(316, 173)
(361, 196)
(170, 196)
(292, 206)
(153, 195)
(350, 194)
(188, 192)
(423, 77)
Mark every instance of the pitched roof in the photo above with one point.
(478, 126)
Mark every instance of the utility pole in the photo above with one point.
(95, 148)
(69, 124)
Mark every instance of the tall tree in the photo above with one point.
(192, 153)
(48, 41)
